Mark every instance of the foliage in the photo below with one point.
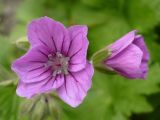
(112, 97)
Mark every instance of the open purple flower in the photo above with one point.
(55, 61)
(129, 56)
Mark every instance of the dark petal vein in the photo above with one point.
(54, 43)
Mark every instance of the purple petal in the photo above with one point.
(29, 90)
(139, 41)
(144, 69)
(48, 32)
(128, 62)
(122, 43)
(58, 81)
(76, 66)
(77, 49)
(76, 86)
(31, 66)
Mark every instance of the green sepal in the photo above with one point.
(22, 43)
(104, 69)
(100, 56)
(8, 82)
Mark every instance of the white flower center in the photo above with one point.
(58, 62)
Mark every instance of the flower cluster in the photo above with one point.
(56, 60)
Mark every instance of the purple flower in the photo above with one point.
(129, 56)
(55, 61)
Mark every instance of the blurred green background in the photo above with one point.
(111, 97)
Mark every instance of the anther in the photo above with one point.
(58, 63)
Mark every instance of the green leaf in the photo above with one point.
(154, 5)
(27, 10)
(52, 8)
(140, 15)
(113, 4)
(94, 3)
(151, 40)
(9, 103)
(6, 51)
(6, 57)
(84, 15)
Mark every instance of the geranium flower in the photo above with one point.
(55, 61)
(129, 56)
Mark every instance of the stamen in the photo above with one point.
(58, 62)
(65, 71)
(59, 71)
(50, 57)
(54, 73)
(59, 55)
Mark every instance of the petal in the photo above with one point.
(77, 49)
(48, 32)
(76, 86)
(58, 81)
(139, 41)
(76, 66)
(127, 62)
(144, 69)
(30, 67)
(122, 43)
(29, 90)
(37, 75)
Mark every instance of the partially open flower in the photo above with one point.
(129, 56)
(55, 61)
